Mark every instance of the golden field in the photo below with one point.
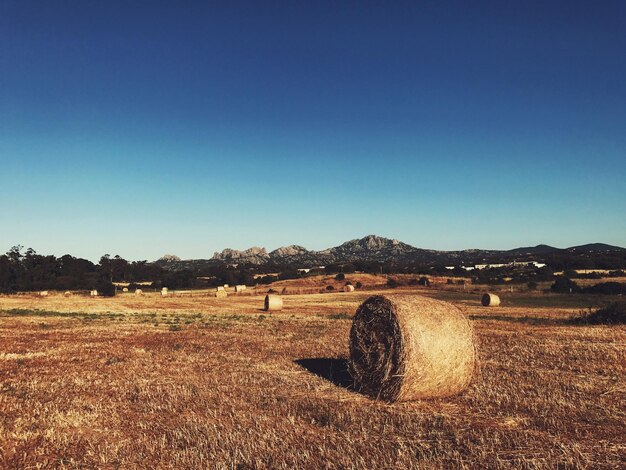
(199, 382)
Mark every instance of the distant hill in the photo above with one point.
(594, 248)
(373, 248)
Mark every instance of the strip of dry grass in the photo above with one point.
(193, 383)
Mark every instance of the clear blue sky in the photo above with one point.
(144, 128)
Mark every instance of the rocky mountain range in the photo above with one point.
(379, 249)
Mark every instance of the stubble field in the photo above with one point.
(197, 382)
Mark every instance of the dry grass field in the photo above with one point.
(199, 382)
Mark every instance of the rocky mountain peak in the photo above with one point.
(255, 255)
(169, 258)
(291, 250)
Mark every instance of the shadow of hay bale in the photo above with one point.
(331, 369)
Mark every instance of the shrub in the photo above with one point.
(340, 277)
(424, 281)
(613, 314)
(608, 288)
(617, 273)
(564, 285)
(392, 283)
(359, 284)
(532, 285)
(267, 279)
(449, 281)
(329, 288)
(105, 288)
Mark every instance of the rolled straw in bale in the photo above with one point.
(348, 288)
(408, 347)
(490, 300)
(273, 302)
(221, 294)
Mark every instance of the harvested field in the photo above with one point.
(193, 382)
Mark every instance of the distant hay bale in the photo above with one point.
(43, 293)
(348, 288)
(409, 347)
(240, 288)
(220, 288)
(221, 294)
(273, 302)
(138, 292)
(94, 293)
(164, 292)
(490, 300)
(125, 289)
(226, 286)
(67, 293)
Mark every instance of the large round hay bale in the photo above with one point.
(221, 294)
(138, 292)
(490, 300)
(273, 302)
(409, 347)
(348, 288)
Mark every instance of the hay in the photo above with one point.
(125, 289)
(67, 293)
(221, 294)
(408, 347)
(490, 300)
(94, 293)
(164, 292)
(220, 288)
(43, 293)
(348, 288)
(273, 302)
(240, 288)
(138, 292)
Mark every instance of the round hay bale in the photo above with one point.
(220, 288)
(348, 288)
(125, 289)
(164, 292)
(43, 293)
(273, 302)
(67, 293)
(406, 347)
(138, 292)
(221, 294)
(490, 300)
(94, 293)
